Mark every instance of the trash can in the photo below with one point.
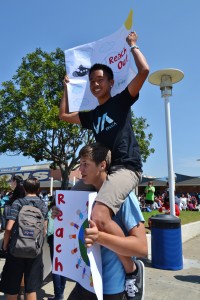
(166, 242)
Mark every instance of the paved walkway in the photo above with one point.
(174, 285)
(160, 284)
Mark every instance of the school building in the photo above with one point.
(50, 180)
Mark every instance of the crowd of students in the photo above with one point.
(183, 202)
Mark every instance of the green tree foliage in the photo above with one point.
(4, 185)
(139, 126)
(29, 106)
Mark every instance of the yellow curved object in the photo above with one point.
(129, 21)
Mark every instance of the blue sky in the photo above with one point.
(168, 36)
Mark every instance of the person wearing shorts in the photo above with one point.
(94, 163)
(111, 123)
(15, 267)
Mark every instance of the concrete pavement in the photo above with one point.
(183, 284)
(159, 284)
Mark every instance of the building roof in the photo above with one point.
(180, 180)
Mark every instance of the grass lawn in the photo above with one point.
(185, 216)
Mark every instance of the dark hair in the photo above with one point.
(17, 178)
(18, 192)
(31, 185)
(52, 201)
(97, 153)
(104, 68)
(166, 199)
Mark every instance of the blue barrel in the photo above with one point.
(166, 242)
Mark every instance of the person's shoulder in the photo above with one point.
(123, 93)
(133, 196)
(131, 199)
(34, 199)
(18, 202)
(83, 113)
(38, 203)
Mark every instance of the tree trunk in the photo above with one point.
(65, 178)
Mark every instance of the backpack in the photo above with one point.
(27, 236)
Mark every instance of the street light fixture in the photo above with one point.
(165, 79)
(51, 186)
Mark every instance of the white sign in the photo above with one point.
(70, 254)
(112, 51)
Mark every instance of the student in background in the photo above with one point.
(150, 192)
(15, 267)
(166, 207)
(59, 281)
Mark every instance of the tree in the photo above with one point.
(29, 106)
(143, 138)
(29, 114)
(4, 185)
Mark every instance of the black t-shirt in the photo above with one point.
(112, 126)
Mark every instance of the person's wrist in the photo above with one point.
(100, 237)
(132, 47)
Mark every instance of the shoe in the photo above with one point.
(134, 284)
(56, 298)
(3, 253)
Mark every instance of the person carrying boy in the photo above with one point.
(15, 267)
(111, 124)
(94, 164)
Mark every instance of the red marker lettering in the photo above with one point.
(58, 265)
(59, 232)
(58, 248)
(61, 199)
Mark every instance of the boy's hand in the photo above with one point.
(132, 38)
(66, 80)
(91, 234)
(55, 212)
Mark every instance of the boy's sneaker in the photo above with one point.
(56, 298)
(134, 284)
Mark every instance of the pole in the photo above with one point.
(51, 186)
(169, 156)
(165, 78)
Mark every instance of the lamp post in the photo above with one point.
(51, 186)
(165, 78)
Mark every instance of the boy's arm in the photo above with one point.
(7, 234)
(133, 245)
(64, 113)
(142, 66)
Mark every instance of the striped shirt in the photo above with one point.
(29, 200)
